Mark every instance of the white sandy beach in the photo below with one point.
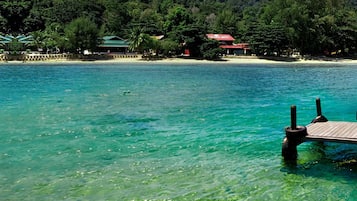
(226, 60)
(238, 60)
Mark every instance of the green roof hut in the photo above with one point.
(113, 44)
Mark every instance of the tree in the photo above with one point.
(115, 17)
(3, 24)
(169, 47)
(135, 8)
(163, 6)
(65, 11)
(139, 41)
(55, 39)
(37, 18)
(38, 39)
(151, 21)
(82, 34)
(345, 36)
(312, 26)
(14, 12)
(190, 37)
(268, 39)
(210, 50)
(181, 27)
(226, 22)
(177, 18)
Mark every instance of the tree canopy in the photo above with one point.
(270, 26)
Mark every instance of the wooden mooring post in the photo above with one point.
(294, 136)
(319, 117)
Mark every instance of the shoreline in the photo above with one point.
(226, 60)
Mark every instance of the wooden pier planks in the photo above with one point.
(333, 131)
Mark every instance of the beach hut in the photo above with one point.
(226, 42)
(113, 44)
(20, 42)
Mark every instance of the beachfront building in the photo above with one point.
(113, 44)
(226, 42)
(15, 43)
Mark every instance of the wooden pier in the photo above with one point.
(332, 131)
(320, 129)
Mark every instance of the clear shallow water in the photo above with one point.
(198, 132)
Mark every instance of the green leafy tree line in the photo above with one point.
(312, 27)
(270, 26)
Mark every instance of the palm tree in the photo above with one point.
(38, 39)
(139, 40)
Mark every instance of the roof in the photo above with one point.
(113, 41)
(220, 37)
(21, 38)
(5, 39)
(25, 39)
(112, 38)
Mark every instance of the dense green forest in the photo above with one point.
(270, 26)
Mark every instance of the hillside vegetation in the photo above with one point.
(270, 26)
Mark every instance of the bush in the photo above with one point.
(169, 47)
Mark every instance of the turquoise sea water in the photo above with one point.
(171, 132)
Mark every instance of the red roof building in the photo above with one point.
(226, 42)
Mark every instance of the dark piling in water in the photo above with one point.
(319, 117)
(294, 135)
